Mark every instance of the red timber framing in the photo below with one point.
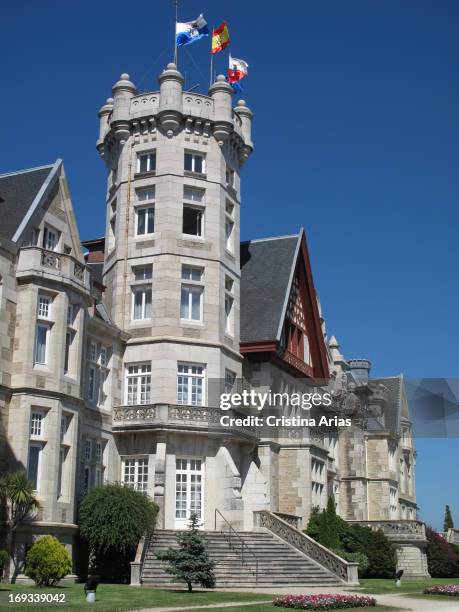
(299, 346)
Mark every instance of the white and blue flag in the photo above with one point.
(191, 31)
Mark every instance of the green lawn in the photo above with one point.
(376, 586)
(118, 597)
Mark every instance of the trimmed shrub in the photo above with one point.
(112, 520)
(442, 558)
(355, 557)
(47, 561)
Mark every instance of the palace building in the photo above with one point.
(114, 350)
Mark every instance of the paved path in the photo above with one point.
(407, 604)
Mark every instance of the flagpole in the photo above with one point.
(175, 32)
(211, 62)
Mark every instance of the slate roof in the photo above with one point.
(17, 193)
(266, 267)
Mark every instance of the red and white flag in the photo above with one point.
(238, 69)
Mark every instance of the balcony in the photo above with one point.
(34, 261)
(178, 418)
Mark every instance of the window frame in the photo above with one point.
(194, 155)
(47, 328)
(200, 210)
(146, 154)
(190, 375)
(134, 484)
(146, 208)
(138, 375)
(42, 415)
(39, 461)
(144, 290)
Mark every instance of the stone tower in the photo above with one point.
(172, 269)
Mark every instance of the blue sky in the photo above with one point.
(356, 134)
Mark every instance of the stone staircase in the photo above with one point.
(279, 564)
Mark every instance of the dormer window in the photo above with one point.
(50, 238)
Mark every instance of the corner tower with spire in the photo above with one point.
(172, 277)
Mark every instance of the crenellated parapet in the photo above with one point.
(171, 111)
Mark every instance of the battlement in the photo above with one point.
(171, 110)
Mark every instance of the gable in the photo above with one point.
(18, 191)
(279, 311)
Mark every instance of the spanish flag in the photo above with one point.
(220, 38)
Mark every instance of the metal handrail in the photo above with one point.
(244, 546)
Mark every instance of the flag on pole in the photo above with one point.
(238, 69)
(237, 87)
(190, 31)
(220, 38)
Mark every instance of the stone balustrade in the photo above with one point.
(345, 571)
(397, 529)
(178, 417)
(57, 266)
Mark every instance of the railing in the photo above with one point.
(234, 538)
(61, 264)
(291, 519)
(404, 529)
(139, 559)
(345, 571)
(172, 416)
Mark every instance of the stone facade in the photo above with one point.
(142, 334)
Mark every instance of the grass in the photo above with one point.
(376, 586)
(119, 597)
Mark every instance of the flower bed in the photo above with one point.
(324, 601)
(443, 589)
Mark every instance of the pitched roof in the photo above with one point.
(19, 193)
(266, 268)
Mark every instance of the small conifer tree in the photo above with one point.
(448, 522)
(190, 563)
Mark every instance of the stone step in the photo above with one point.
(278, 563)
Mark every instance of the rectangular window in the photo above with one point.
(103, 356)
(138, 384)
(43, 306)
(33, 465)
(72, 310)
(229, 225)
(68, 344)
(144, 194)
(64, 425)
(192, 221)
(192, 273)
(87, 449)
(41, 344)
(99, 478)
(194, 162)
(190, 384)
(191, 303)
(36, 424)
(60, 474)
(93, 351)
(50, 239)
(229, 177)
(99, 452)
(141, 303)
(146, 162)
(229, 208)
(230, 379)
(193, 194)
(228, 314)
(135, 473)
(145, 220)
(92, 383)
(144, 273)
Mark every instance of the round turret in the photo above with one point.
(104, 115)
(246, 116)
(221, 92)
(123, 91)
(170, 101)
